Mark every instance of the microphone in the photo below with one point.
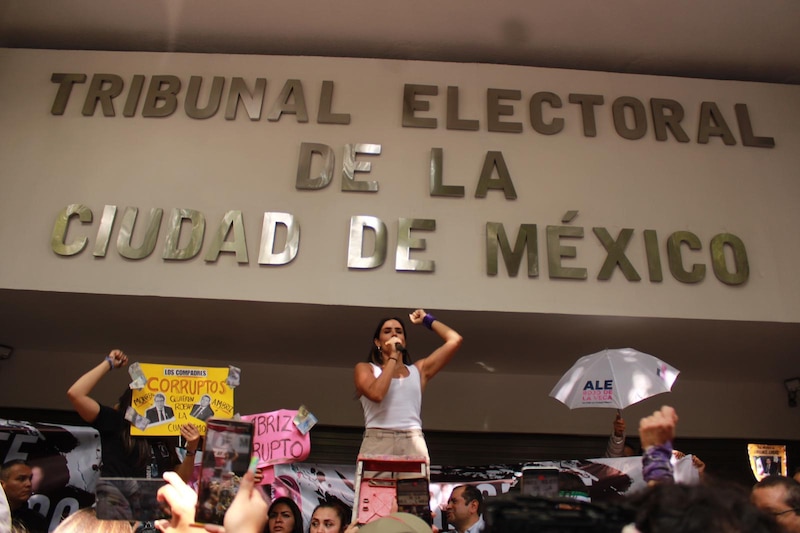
(400, 348)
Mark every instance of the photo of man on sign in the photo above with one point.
(202, 411)
(160, 412)
(169, 396)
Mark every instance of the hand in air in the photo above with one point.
(118, 358)
(192, 436)
(417, 316)
(181, 499)
(658, 428)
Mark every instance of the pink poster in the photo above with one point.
(277, 440)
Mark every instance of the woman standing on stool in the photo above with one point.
(390, 386)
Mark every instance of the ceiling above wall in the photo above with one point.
(718, 39)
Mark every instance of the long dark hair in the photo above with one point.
(375, 352)
(342, 511)
(141, 445)
(700, 508)
(298, 516)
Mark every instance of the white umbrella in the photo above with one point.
(614, 378)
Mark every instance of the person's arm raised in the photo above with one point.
(431, 365)
(78, 393)
(656, 433)
(658, 429)
(192, 436)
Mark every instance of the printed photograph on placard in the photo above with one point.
(767, 460)
(169, 396)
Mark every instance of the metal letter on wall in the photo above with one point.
(556, 252)
(103, 89)
(672, 120)
(587, 103)
(126, 233)
(253, 101)
(304, 179)
(355, 246)
(526, 238)
(292, 90)
(411, 105)
(495, 110)
(59, 235)
(173, 237)
(191, 105)
(65, 83)
(537, 115)
(437, 187)
(269, 228)
(104, 231)
(232, 221)
(615, 254)
(718, 262)
(405, 244)
(325, 115)
(653, 255)
(351, 166)
(712, 123)
(746, 129)
(495, 160)
(675, 257)
(163, 89)
(134, 93)
(454, 122)
(639, 128)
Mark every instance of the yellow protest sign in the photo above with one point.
(168, 396)
(767, 460)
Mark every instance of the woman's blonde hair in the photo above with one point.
(86, 521)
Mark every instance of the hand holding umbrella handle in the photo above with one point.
(619, 426)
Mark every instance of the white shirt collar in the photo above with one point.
(477, 527)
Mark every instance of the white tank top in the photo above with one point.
(400, 408)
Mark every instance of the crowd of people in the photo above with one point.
(390, 387)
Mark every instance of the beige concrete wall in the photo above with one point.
(216, 165)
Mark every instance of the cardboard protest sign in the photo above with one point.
(167, 396)
(767, 460)
(277, 439)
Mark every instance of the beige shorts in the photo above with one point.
(409, 442)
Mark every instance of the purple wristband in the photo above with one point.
(656, 465)
(428, 321)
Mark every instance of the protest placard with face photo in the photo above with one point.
(169, 396)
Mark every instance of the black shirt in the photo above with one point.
(30, 519)
(117, 462)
